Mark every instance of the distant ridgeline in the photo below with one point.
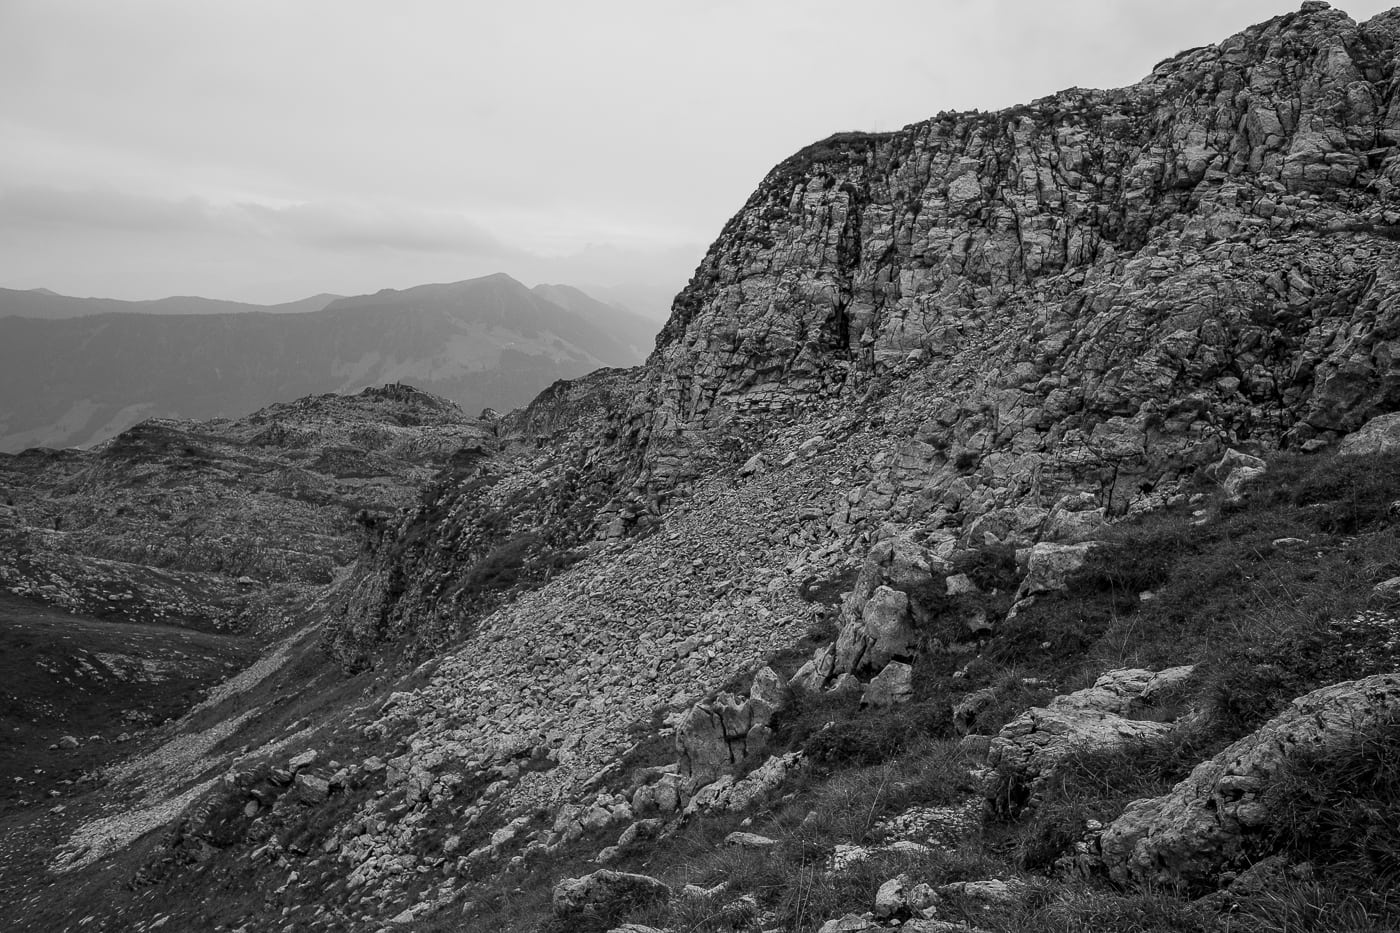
(75, 371)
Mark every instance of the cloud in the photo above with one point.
(323, 225)
(360, 226)
(102, 209)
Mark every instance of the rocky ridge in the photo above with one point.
(209, 524)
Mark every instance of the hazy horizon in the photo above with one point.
(265, 152)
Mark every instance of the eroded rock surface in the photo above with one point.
(1209, 819)
(1029, 749)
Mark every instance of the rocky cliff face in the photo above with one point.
(1092, 286)
(1065, 307)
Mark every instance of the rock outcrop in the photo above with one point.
(1209, 820)
(721, 735)
(1107, 716)
(1377, 436)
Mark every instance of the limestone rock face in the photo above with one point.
(1030, 748)
(1204, 824)
(1099, 288)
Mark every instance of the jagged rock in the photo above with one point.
(605, 890)
(939, 926)
(638, 831)
(960, 584)
(892, 686)
(311, 788)
(1030, 748)
(879, 614)
(68, 742)
(1380, 435)
(755, 464)
(892, 898)
(719, 735)
(727, 794)
(1048, 567)
(1236, 470)
(1205, 822)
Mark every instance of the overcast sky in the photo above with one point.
(265, 150)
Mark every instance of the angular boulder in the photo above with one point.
(1380, 435)
(1048, 567)
(892, 686)
(1032, 747)
(1205, 823)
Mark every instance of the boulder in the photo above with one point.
(727, 794)
(1048, 567)
(1236, 470)
(606, 891)
(892, 686)
(881, 631)
(892, 898)
(1203, 825)
(967, 709)
(312, 789)
(1380, 435)
(1031, 748)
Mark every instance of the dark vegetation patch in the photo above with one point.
(1261, 593)
(68, 675)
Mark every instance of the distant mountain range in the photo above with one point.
(51, 306)
(75, 370)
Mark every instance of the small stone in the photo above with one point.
(749, 840)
